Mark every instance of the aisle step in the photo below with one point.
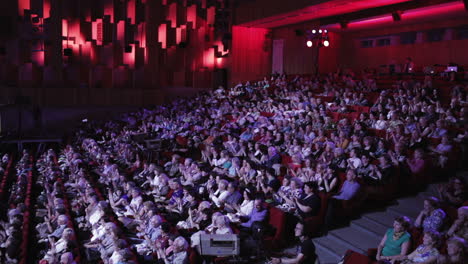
(356, 238)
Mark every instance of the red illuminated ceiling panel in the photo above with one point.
(330, 8)
(418, 15)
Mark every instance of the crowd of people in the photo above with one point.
(226, 156)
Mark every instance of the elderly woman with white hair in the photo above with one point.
(295, 191)
(219, 225)
(64, 244)
(175, 254)
(221, 194)
(460, 225)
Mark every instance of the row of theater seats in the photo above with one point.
(27, 214)
(4, 179)
(111, 215)
(71, 224)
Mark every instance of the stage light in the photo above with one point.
(313, 31)
(309, 43)
(326, 43)
(325, 31)
(320, 31)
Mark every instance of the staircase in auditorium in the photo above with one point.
(367, 231)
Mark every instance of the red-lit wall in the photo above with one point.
(297, 57)
(353, 56)
(122, 52)
(330, 57)
(345, 51)
(251, 54)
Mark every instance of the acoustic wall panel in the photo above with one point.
(86, 43)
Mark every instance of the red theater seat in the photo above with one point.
(315, 222)
(277, 220)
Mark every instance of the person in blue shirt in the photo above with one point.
(259, 214)
(349, 190)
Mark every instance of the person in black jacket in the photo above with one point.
(305, 251)
(309, 204)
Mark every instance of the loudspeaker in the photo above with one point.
(128, 49)
(396, 16)
(67, 52)
(299, 32)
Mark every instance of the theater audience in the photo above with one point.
(227, 147)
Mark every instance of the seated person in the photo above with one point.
(177, 253)
(396, 242)
(232, 198)
(454, 193)
(244, 209)
(442, 151)
(305, 251)
(309, 204)
(67, 258)
(220, 195)
(258, 214)
(349, 190)
(460, 225)
(426, 252)
(456, 252)
(350, 187)
(431, 217)
(64, 244)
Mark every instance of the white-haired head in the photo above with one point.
(180, 244)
